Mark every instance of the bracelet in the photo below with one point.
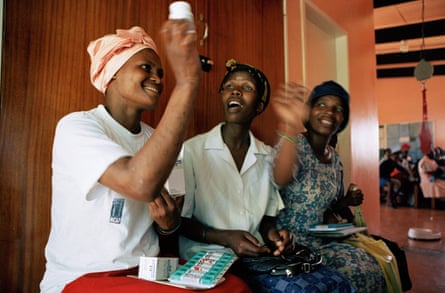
(287, 137)
(168, 231)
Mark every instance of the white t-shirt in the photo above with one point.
(93, 228)
(219, 195)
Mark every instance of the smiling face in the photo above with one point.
(139, 80)
(240, 98)
(326, 115)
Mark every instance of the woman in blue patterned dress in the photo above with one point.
(311, 176)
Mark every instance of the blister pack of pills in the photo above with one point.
(205, 269)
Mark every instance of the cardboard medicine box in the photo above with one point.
(157, 268)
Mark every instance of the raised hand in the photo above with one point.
(179, 38)
(289, 103)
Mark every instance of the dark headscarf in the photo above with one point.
(332, 88)
(261, 81)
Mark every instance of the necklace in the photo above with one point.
(324, 157)
(327, 154)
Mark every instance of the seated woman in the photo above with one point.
(109, 167)
(230, 201)
(310, 173)
(392, 184)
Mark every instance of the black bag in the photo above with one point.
(301, 260)
(402, 264)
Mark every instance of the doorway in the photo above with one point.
(325, 57)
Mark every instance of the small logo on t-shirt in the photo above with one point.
(116, 210)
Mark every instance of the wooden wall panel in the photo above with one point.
(45, 75)
(256, 38)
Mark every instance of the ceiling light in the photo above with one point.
(424, 69)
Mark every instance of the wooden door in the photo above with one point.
(251, 31)
(45, 75)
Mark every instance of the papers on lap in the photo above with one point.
(330, 227)
(336, 232)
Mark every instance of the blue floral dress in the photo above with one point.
(314, 188)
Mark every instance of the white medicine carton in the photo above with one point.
(157, 268)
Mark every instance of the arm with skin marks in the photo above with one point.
(142, 176)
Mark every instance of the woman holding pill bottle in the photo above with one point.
(109, 167)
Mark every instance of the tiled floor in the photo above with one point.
(426, 259)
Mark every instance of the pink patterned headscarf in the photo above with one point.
(110, 52)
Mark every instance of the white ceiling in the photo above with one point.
(409, 13)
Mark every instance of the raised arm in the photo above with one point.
(289, 103)
(142, 176)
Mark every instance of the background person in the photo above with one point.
(391, 184)
(432, 178)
